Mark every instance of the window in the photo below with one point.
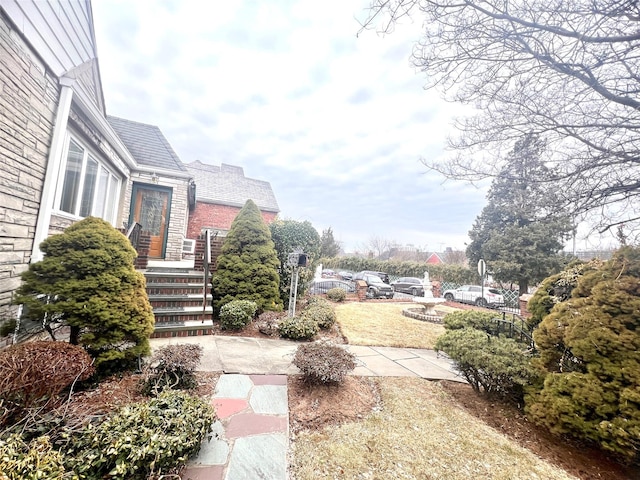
(88, 185)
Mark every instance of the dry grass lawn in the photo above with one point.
(416, 434)
(382, 324)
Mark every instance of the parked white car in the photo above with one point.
(473, 294)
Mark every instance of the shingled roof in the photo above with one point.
(147, 144)
(227, 185)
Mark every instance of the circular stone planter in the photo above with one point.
(418, 313)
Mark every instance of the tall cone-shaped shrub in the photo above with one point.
(590, 349)
(248, 264)
(87, 281)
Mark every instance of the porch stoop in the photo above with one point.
(176, 297)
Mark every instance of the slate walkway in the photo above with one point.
(251, 435)
(252, 432)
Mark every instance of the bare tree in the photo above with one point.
(565, 70)
(380, 247)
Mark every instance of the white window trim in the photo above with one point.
(102, 162)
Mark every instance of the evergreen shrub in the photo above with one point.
(589, 350)
(248, 264)
(37, 459)
(324, 315)
(33, 374)
(87, 282)
(494, 366)
(337, 295)
(470, 319)
(237, 314)
(299, 328)
(323, 362)
(172, 366)
(142, 439)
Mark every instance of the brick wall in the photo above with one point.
(209, 215)
(29, 97)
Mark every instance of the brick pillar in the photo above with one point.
(361, 290)
(198, 261)
(524, 300)
(142, 260)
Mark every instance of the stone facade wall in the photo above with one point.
(29, 96)
(210, 215)
(179, 209)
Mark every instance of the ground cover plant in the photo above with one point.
(382, 324)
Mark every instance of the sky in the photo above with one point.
(336, 120)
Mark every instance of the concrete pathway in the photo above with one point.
(251, 435)
(273, 357)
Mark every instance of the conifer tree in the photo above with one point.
(87, 281)
(248, 265)
(516, 233)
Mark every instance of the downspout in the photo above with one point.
(53, 168)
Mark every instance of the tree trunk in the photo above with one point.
(523, 287)
(74, 335)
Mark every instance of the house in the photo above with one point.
(61, 157)
(434, 259)
(221, 191)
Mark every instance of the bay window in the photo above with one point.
(87, 186)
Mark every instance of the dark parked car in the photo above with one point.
(473, 294)
(410, 285)
(381, 275)
(376, 288)
(345, 275)
(323, 285)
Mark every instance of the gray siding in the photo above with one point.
(62, 34)
(28, 100)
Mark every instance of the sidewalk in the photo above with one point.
(251, 435)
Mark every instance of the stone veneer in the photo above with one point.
(29, 96)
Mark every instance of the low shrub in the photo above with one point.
(37, 459)
(268, 323)
(470, 319)
(141, 439)
(33, 374)
(237, 314)
(172, 366)
(314, 300)
(299, 328)
(323, 362)
(336, 295)
(495, 366)
(323, 314)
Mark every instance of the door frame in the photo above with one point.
(132, 206)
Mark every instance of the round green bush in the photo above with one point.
(299, 328)
(323, 315)
(237, 314)
(336, 295)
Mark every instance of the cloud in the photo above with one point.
(336, 122)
